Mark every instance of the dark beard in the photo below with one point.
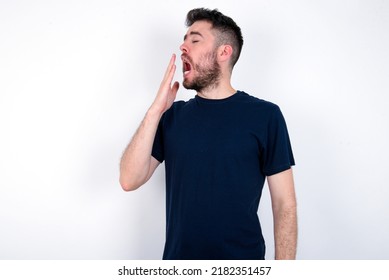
(208, 77)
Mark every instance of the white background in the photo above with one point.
(76, 78)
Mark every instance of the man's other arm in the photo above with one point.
(137, 165)
(284, 206)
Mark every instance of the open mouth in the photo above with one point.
(186, 67)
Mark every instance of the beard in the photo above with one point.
(208, 73)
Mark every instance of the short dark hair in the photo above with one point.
(228, 31)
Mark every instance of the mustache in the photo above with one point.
(187, 58)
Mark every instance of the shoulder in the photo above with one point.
(175, 110)
(178, 106)
(257, 104)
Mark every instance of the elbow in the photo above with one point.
(132, 178)
(128, 185)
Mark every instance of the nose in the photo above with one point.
(184, 48)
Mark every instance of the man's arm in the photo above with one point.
(283, 199)
(137, 165)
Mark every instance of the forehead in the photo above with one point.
(201, 28)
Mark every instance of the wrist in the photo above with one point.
(154, 112)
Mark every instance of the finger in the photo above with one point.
(173, 91)
(175, 87)
(166, 83)
(170, 68)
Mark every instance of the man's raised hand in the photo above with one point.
(166, 93)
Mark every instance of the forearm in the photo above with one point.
(135, 162)
(285, 232)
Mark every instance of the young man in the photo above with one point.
(218, 149)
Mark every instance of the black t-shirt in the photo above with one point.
(217, 154)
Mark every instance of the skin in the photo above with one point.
(137, 165)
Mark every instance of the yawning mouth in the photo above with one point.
(186, 66)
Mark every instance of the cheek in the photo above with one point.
(208, 59)
(203, 60)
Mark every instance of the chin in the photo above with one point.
(187, 84)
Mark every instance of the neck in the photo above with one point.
(220, 91)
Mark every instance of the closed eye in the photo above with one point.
(195, 41)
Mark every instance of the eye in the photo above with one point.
(195, 41)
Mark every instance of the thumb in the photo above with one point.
(175, 87)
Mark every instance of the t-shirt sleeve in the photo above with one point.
(277, 153)
(157, 151)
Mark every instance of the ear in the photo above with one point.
(225, 53)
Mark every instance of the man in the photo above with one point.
(218, 149)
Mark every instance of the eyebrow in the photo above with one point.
(192, 33)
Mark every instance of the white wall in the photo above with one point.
(77, 76)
